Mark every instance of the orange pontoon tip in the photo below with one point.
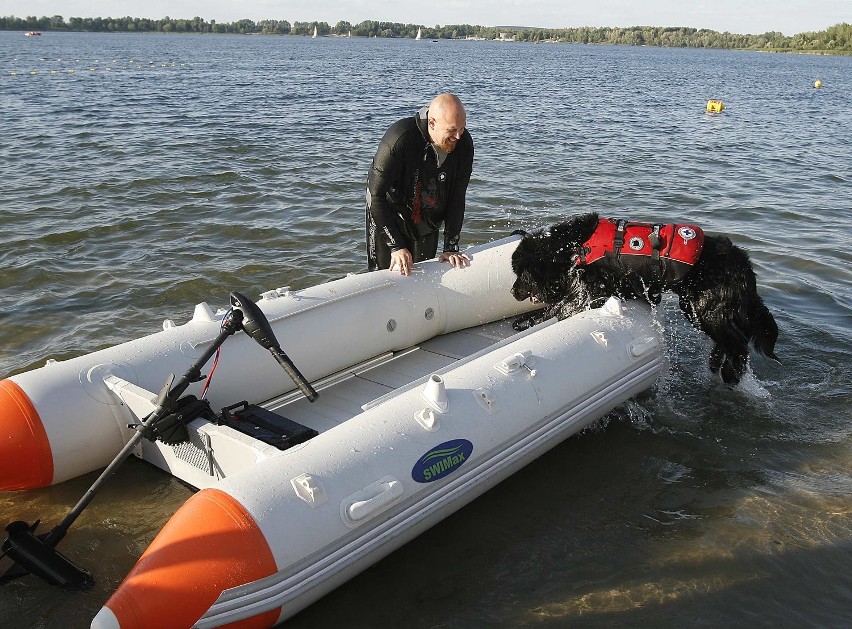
(209, 545)
(26, 461)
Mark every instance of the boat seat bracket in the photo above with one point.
(309, 489)
(427, 419)
(486, 400)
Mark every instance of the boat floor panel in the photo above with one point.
(466, 342)
(410, 367)
(335, 404)
(344, 399)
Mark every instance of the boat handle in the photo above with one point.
(389, 490)
(639, 347)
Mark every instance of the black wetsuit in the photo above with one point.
(409, 194)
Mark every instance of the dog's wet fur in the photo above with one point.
(718, 296)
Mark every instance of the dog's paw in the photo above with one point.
(717, 358)
(524, 322)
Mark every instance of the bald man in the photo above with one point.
(417, 183)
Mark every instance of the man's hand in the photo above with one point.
(401, 261)
(455, 258)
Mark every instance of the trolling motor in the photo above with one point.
(37, 554)
(257, 326)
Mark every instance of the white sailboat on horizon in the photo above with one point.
(315, 33)
(418, 33)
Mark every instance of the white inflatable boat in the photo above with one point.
(427, 398)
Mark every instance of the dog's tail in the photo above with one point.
(764, 330)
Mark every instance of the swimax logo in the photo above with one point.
(441, 460)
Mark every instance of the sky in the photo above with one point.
(735, 16)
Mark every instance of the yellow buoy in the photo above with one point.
(817, 83)
(715, 106)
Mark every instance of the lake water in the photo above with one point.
(142, 174)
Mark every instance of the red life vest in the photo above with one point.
(663, 253)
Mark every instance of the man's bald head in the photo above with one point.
(447, 121)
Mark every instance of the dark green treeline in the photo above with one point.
(834, 40)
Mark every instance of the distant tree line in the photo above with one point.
(836, 39)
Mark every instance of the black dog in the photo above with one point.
(580, 263)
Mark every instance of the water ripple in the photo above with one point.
(144, 174)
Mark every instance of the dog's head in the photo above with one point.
(544, 260)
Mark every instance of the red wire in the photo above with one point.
(210, 375)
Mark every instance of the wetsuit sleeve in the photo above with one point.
(386, 169)
(455, 203)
